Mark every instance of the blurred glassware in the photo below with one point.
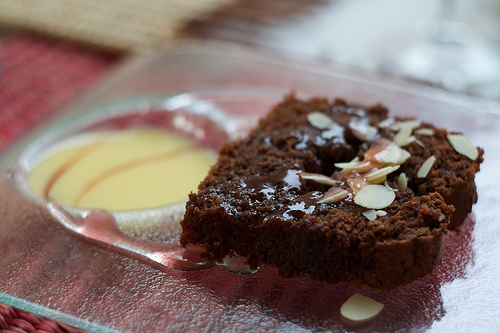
(451, 54)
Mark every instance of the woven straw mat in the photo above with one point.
(120, 25)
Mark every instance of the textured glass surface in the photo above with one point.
(44, 268)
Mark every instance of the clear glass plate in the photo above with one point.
(46, 270)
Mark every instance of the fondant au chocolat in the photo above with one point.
(335, 192)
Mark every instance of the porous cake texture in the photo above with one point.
(336, 192)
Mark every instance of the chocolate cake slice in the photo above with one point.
(336, 192)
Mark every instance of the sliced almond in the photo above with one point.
(370, 214)
(378, 149)
(381, 213)
(362, 167)
(319, 120)
(424, 131)
(378, 176)
(401, 138)
(410, 139)
(426, 167)
(319, 178)
(371, 133)
(386, 123)
(386, 184)
(363, 131)
(347, 165)
(333, 195)
(357, 166)
(411, 124)
(405, 154)
(463, 146)
(419, 142)
(374, 197)
(367, 166)
(359, 308)
(391, 155)
(402, 182)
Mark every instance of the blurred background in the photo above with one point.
(450, 43)
(51, 50)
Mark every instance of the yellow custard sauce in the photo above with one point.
(121, 169)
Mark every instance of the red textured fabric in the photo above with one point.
(15, 320)
(38, 76)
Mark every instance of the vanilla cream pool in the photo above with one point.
(121, 169)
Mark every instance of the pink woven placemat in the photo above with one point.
(18, 321)
(37, 77)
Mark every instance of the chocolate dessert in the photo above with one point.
(336, 192)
